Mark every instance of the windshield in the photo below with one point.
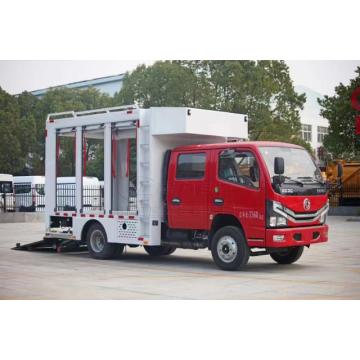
(5, 187)
(298, 164)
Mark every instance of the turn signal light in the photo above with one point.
(278, 237)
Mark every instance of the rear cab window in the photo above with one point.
(191, 166)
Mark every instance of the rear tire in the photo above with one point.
(98, 246)
(287, 255)
(229, 248)
(159, 250)
(171, 250)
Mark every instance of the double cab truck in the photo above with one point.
(199, 185)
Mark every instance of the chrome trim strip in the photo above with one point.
(299, 218)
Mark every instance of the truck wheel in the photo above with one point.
(171, 249)
(159, 250)
(287, 255)
(229, 248)
(98, 246)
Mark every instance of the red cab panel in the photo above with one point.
(238, 189)
(188, 190)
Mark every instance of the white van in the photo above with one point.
(29, 193)
(92, 193)
(7, 200)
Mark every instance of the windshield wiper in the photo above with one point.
(311, 178)
(293, 180)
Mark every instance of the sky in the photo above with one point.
(19, 75)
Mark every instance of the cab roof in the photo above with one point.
(238, 144)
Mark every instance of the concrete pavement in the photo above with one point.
(325, 271)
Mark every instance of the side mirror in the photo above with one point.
(340, 170)
(279, 165)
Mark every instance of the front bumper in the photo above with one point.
(297, 236)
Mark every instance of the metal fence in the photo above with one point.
(24, 198)
(32, 199)
(93, 197)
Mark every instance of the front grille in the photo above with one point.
(300, 217)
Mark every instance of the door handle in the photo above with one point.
(176, 201)
(219, 201)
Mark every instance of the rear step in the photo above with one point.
(51, 244)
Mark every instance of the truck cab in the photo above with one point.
(244, 197)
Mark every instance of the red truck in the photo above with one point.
(235, 197)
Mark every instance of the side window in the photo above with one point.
(6, 187)
(40, 189)
(191, 166)
(239, 167)
(22, 188)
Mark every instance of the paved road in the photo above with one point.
(326, 271)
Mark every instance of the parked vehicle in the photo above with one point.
(195, 189)
(7, 200)
(29, 193)
(344, 189)
(92, 195)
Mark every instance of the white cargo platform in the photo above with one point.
(155, 130)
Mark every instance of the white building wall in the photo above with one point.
(311, 114)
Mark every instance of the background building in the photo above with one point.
(109, 85)
(314, 127)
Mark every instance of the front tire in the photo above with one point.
(229, 248)
(98, 246)
(287, 255)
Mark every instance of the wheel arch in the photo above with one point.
(87, 226)
(221, 220)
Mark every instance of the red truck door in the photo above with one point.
(238, 188)
(188, 190)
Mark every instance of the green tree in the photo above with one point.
(11, 160)
(165, 83)
(29, 137)
(341, 141)
(261, 89)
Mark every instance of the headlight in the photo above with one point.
(272, 218)
(323, 216)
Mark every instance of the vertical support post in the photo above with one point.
(50, 172)
(78, 169)
(107, 168)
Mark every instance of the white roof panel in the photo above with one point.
(176, 121)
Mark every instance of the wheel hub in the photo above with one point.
(97, 241)
(227, 249)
